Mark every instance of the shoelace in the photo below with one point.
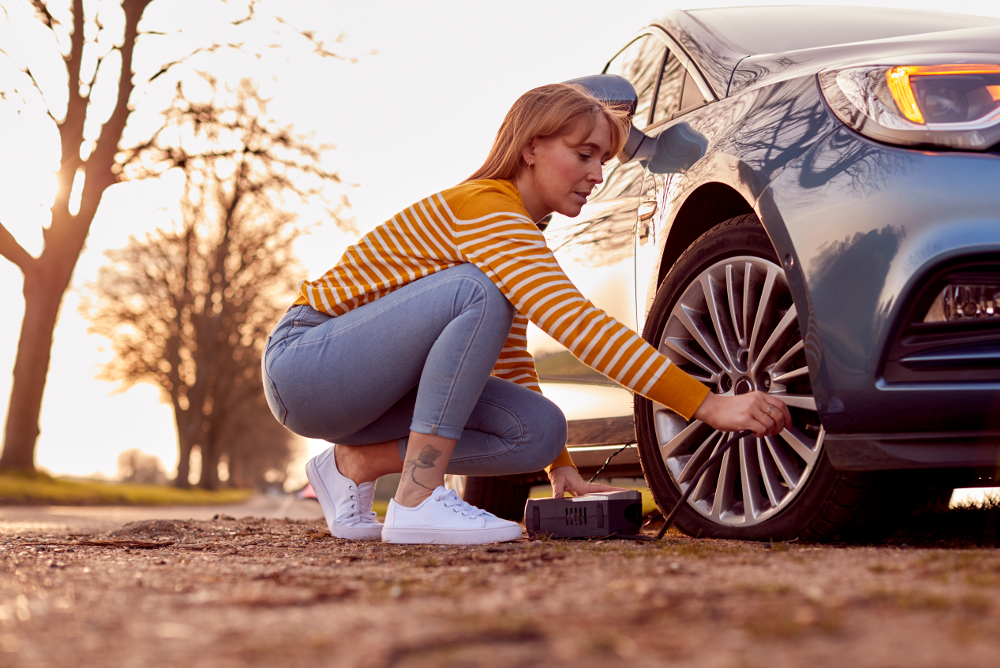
(364, 514)
(452, 500)
(365, 499)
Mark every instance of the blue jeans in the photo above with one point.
(418, 359)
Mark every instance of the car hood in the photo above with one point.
(971, 45)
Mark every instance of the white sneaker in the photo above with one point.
(445, 518)
(346, 505)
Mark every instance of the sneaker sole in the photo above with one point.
(329, 510)
(429, 536)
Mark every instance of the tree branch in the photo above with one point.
(34, 82)
(103, 156)
(97, 69)
(13, 251)
(71, 128)
(44, 15)
(74, 58)
(100, 59)
(201, 49)
(251, 8)
(319, 47)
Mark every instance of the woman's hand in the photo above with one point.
(761, 413)
(566, 479)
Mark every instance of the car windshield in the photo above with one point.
(758, 30)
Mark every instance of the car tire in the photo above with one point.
(725, 315)
(504, 497)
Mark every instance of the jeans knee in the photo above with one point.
(486, 290)
(550, 428)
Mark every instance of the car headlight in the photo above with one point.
(951, 105)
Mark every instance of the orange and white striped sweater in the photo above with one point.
(485, 223)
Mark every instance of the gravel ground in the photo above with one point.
(263, 592)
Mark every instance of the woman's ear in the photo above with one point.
(528, 152)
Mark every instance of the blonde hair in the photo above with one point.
(547, 111)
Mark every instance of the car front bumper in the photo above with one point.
(867, 225)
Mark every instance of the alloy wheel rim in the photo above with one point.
(735, 328)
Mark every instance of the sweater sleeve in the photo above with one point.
(511, 250)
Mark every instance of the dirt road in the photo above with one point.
(266, 592)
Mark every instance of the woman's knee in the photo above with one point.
(548, 433)
(485, 289)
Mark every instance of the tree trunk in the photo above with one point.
(237, 473)
(209, 463)
(184, 447)
(47, 278)
(44, 286)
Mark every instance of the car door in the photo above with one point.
(596, 250)
(680, 89)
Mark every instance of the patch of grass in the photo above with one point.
(972, 524)
(976, 603)
(909, 600)
(981, 580)
(42, 489)
(701, 548)
(776, 589)
(952, 562)
(789, 622)
(978, 568)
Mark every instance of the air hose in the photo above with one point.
(669, 519)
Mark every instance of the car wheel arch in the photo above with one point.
(705, 207)
(713, 202)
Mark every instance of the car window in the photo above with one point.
(639, 62)
(669, 92)
(691, 95)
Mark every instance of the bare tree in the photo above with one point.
(257, 449)
(95, 56)
(134, 465)
(188, 309)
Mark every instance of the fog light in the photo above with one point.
(963, 302)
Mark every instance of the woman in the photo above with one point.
(410, 353)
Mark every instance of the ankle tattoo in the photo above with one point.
(425, 460)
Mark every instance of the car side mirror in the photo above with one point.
(675, 150)
(610, 89)
(617, 92)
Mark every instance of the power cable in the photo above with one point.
(669, 519)
(608, 461)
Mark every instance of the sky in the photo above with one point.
(412, 108)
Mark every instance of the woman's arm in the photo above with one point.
(512, 252)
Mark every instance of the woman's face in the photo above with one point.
(564, 170)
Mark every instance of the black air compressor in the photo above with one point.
(588, 516)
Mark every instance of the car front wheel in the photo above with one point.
(725, 314)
